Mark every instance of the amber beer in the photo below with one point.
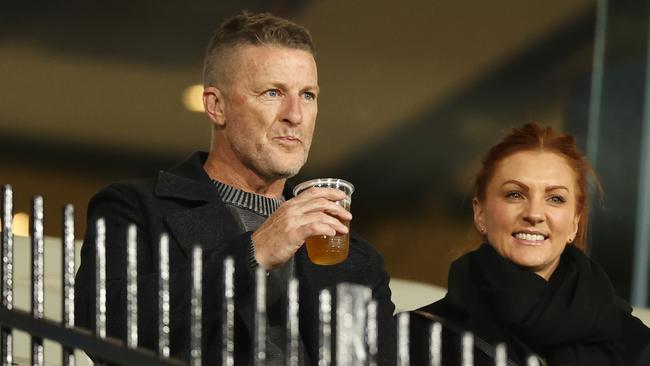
(322, 249)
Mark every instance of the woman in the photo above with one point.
(530, 284)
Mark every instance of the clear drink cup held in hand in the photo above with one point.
(322, 249)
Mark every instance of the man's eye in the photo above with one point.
(309, 96)
(272, 93)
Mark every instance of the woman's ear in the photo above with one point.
(574, 229)
(479, 216)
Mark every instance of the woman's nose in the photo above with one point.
(534, 213)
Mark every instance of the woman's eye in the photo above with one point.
(514, 195)
(557, 199)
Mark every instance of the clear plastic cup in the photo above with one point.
(323, 249)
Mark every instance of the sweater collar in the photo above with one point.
(189, 181)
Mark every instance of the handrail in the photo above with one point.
(108, 349)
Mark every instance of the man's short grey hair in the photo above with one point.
(251, 29)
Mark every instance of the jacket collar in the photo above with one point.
(187, 181)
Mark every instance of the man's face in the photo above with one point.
(270, 109)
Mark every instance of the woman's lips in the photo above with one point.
(530, 238)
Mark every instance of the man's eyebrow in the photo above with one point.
(311, 88)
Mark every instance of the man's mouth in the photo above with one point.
(288, 139)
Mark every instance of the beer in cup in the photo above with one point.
(322, 249)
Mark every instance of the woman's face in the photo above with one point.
(529, 210)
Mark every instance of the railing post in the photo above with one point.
(163, 297)
(351, 319)
(37, 237)
(196, 306)
(372, 333)
(325, 331)
(403, 358)
(293, 333)
(467, 347)
(260, 317)
(501, 357)
(6, 347)
(100, 279)
(228, 313)
(68, 271)
(435, 344)
(132, 287)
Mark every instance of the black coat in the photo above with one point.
(573, 319)
(184, 203)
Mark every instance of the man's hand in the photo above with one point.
(313, 212)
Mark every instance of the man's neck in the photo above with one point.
(239, 176)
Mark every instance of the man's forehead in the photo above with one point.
(250, 52)
(270, 61)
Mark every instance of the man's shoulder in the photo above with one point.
(170, 179)
(121, 194)
(126, 188)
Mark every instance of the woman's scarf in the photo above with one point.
(573, 319)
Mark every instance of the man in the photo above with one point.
(260, 93)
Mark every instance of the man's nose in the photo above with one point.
(292, 110)
(534, 212)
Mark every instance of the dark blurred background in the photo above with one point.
(413, 93)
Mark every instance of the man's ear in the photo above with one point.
(214, 105)
(479, 216)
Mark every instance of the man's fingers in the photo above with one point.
(331, 194)
(318, 223)
(318, 204)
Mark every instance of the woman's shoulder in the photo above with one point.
(440, 310)
(635, 336)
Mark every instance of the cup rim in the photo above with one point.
(348, 187)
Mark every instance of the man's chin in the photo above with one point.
(278, 166)
(284, 171)
(286, 167)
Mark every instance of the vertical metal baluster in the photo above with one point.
(260, 317)
(228, 324)
(351, 318)
(325, 320)
(372, 333)
(532, 361)
(132, 287)
(163, 297)
(435, 345)
(403, 339)
(501, 358)
(467, 346)
(36, 228)
(100, 278)
(293, 335)
(68, 270)
(6, 348)
(196, 303)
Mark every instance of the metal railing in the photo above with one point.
(355, 336)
